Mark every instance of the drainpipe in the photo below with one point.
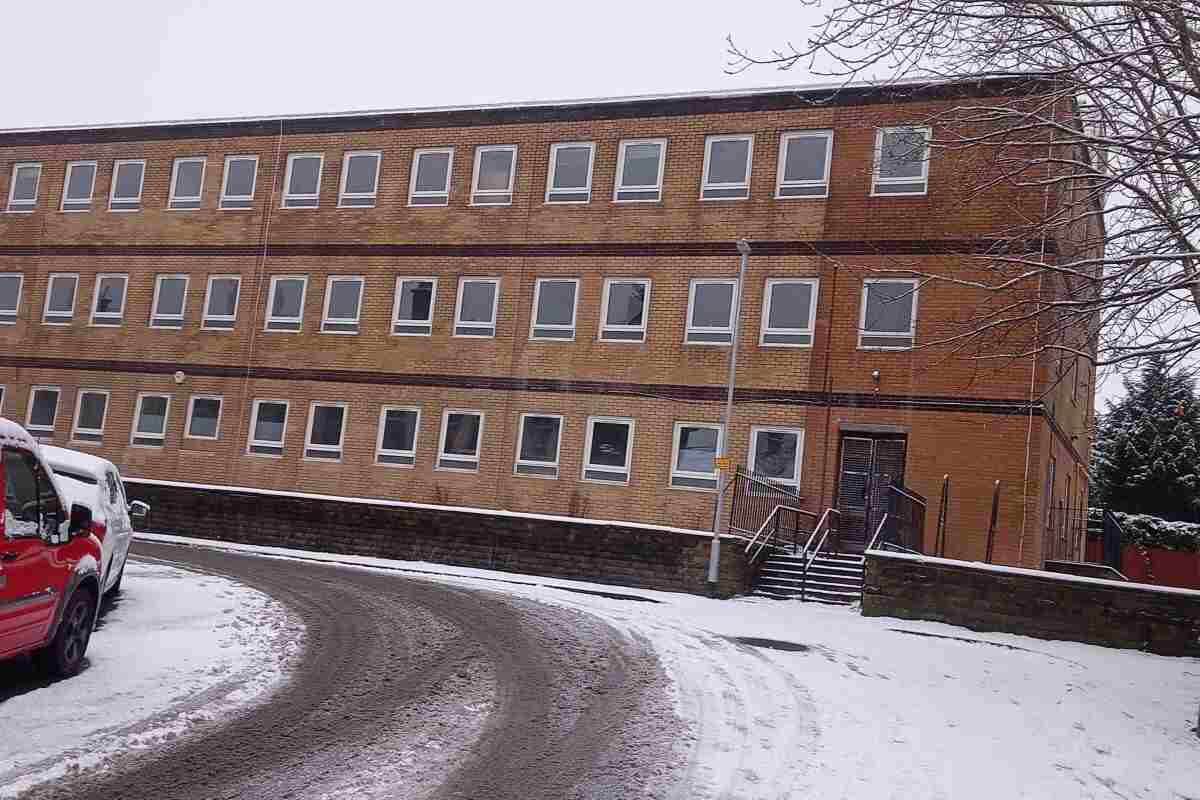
(714, 553)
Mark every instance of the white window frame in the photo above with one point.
(796, 470)
(587, 188)
(234, 202)
(251, 442)
(135, 434)
(173, 198)
(765, 330)
(328, 323)
(86, 203)
(172, 318)
(90, 435)
(780, 184)
(912, 328)
(270, 319)
(462, 282)
(676, 472)
(15, 206)
(534, 326)
(206, 318)
(442, 454)
(606, 326)
(134, 202)
(60, 317)
(690, 329)
(618, 183)
(16, 309)
(530, 465)
(290, 197)
(476, 192)
(33, 391)
(411, 455)
(343, 195)
(400, 281)
(708, 186)
(325, 448)
(109, 319)
(877, 181)
(3, 397)
(444, 196)
(191, 410)
(627, 471)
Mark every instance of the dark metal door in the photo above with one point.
(869, 465)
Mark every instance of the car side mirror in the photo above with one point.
(138, 510)
(81, 520)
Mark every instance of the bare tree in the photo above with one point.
(1105, 124)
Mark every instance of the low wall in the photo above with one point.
(1162, 567)
(625, 554)
(1046, 605)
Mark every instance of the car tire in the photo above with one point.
(63, 657)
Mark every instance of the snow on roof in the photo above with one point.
(13, 435)
(75, 461)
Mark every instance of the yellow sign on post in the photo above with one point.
(722, 463)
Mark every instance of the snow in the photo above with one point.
(60, 458)
(177, 650)
(13, 435)
(823, 702)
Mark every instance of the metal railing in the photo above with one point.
(784, 520)
(1065, 534)
(754, 501)
(827, 524)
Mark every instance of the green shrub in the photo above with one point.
(1151, 531)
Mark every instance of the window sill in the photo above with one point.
(691, 489)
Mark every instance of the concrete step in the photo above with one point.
(848, 579)
(836, 569)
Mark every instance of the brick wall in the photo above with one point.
(611, 553)
(1109, 613)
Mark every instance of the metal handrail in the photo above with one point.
(811, 557)
(878, 533)
(771, 520)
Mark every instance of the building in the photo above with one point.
(528, 307)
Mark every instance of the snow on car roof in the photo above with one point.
(75, 461)
(13, 435)
(76, 491)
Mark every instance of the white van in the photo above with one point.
(96, 483)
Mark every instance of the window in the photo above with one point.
(3, 394)
(285, 305)
(170, 299)
(609, 441)
(475, 314)
(77, 186)
(302, 183)
(727, 162)
(60, 299)
(32, 504)
(237, 187)
(554, 308)
(889, 314)
(23, 187)
(789, 308)
(570, 178)
(91, 407)
(804, 164)
(901, 161)
(108, 299)
(43, 409)
(343, 299)
(10, 296)
(459, 446)
(126, 191)
(360, 178)
(693, 461)
(187, 183)
(326, 431)
(268, 425)
(150, 420)
(221, 301)
(413, 311)
(625, 305)
(775, 454)
(397, 443)
(204, 417)
(430, 182)
(640, 170)
(537, 445)
(710, 311)
(495, 168)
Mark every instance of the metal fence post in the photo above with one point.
(991, 540)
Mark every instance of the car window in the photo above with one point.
(30, 501)
(116, 492)
(51, 506)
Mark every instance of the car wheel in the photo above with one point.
(64, 656)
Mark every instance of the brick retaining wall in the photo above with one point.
(604, 552)
(1045, 605)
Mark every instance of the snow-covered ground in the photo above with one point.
(177, 649)
(800, 700)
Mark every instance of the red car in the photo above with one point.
(49, 561)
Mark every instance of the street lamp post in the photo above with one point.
(714, 553)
